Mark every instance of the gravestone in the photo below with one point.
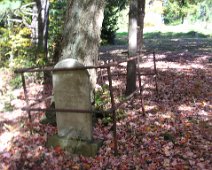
(72, 91)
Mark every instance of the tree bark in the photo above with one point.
(82, 30)
(43, 22)
(132, 48)
(34, 24)
(141, 14)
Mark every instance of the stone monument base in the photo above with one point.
(75, 146)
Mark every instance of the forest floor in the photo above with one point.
(174, 133)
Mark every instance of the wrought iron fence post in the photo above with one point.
(113, 110)
(27, 101)
(156, 74)
(140, 86)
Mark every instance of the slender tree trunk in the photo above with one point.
(10, 34)
(141, 14)
(42, 35)
(82, 30)
(132, 48)
(43, 22)
(34, 25)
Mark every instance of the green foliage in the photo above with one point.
(176, 11)
(110, 22)
(6, 101)
(16, 82)
(102, 98)
(16, 46)
(169, 137)
(204, 12)
(161, 35)
(120, 114)
(173, 12)
(102, 103)
(56, 22)
(109, 26)
(8, 106)
(15, 42)
(122, 38)
(7, 6)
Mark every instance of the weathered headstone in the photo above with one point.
(72, 91)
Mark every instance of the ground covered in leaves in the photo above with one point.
(174, 133)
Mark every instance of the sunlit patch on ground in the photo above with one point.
(6, 139)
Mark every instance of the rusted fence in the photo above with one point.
(114, 106)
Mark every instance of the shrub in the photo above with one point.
(109, 25)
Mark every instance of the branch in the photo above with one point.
(24, 9)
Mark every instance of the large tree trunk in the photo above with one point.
(82, 30)
(141, 14)
(132, 48)
(81, 34)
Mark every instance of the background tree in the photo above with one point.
(42, 25)
(176, 11)
(203, 11)
(140, 15)
(110, 22)
(132, 47)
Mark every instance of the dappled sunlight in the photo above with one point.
(185, 107)
(11, 116)
(10, 128)
(178, 66)
(151, 108)
(124, 64)
(6, 140)
(174, 132)
(117, 83)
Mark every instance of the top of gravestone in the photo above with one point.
(69, 63)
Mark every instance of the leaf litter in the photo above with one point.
(174, 133)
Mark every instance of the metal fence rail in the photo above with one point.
(114, 106)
